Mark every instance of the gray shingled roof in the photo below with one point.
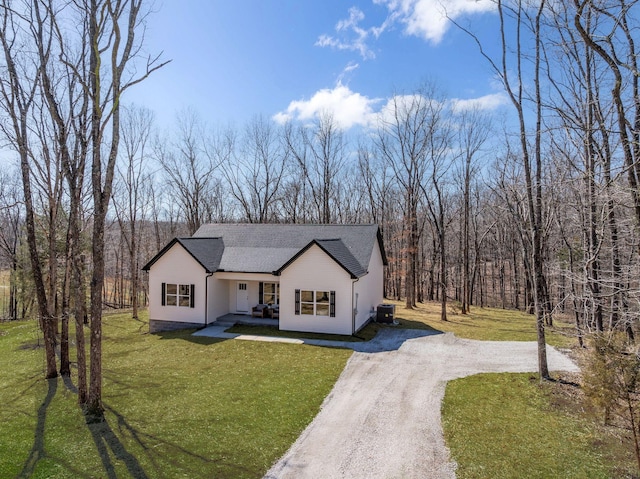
(264, 248)
(206, 251)
(339, 251)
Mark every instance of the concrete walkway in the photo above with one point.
(382, 418)
(388, 339)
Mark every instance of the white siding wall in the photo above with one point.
(176, 266)
(314, 270)
(370, 288)
(218, 292)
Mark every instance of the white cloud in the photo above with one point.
(396, 104)
(351, 67)
(485, 103)
(348, 108)
(355, 17)
(429, 19)
(351, 36)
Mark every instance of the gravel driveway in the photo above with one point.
(382, 418)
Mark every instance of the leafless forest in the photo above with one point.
(537, 210)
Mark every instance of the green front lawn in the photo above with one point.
(510, 426)
(184, 406)
(487, 324)
(176, 405)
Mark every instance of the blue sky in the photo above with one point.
(292, 59)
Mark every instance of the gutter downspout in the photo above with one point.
(206, 299)
(354, 310)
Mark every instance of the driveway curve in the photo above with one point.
(382, 418)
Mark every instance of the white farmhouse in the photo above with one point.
(317, 278)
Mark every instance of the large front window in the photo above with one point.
(314, 303)
(270, 293)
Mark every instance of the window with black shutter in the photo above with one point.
(181, 295)
(315, 303)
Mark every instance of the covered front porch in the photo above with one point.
(250, 294)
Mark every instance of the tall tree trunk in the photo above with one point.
(466, 288)
(18, 102)
(65, 365)
(443, 275)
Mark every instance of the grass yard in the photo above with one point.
(509, 426)
(183, 406)
(488, 324)
(4, 291)
(176, 406)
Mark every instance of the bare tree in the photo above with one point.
(613, 41)
(18, 88)
(473, 133)
(61, 64)
(256, 172)
(131, 193)
(111, 50)
(319, 152)
(403, 142)
(189, 168)
(439, 137)
(521, 18)
(608, 32)
(10, 235)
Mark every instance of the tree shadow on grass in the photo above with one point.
(413, 324)
(38, 452)
(68, 382)
(187, 335)
(158, 452)
(107, 441)
(111, 448)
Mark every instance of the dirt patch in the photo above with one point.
(565, 392)
(612, 441)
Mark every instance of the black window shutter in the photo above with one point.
(332, 304)
(261, 293)
(164, 288)
(193, 288)
(297, 301)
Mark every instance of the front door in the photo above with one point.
(242, 298)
